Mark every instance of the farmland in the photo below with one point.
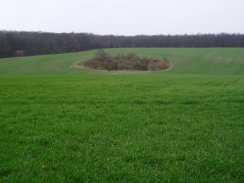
(59, 123)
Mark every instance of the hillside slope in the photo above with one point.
(64, 124)
(187, 61)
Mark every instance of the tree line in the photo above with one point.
(14, 43)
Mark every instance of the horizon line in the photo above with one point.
(73, 32)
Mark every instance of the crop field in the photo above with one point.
(60, 123)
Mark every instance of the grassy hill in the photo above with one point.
(185, 60)
(63, 124)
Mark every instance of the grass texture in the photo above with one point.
(64, 124)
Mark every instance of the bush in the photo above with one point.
(131, 61)
(19, 53)
(101, 55)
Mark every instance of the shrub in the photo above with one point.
(131, 61)
(101, 55)
(19, 53)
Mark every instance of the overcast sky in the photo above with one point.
(124, 17)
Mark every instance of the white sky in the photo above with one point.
(124, 17)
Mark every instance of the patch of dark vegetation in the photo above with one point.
(4, 173)
(125, 62)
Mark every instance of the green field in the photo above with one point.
(63, 124)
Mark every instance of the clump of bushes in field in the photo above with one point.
(129, 62)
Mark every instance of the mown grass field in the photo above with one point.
(63, 124)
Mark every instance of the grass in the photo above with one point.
(214, 61)
(63, 124)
